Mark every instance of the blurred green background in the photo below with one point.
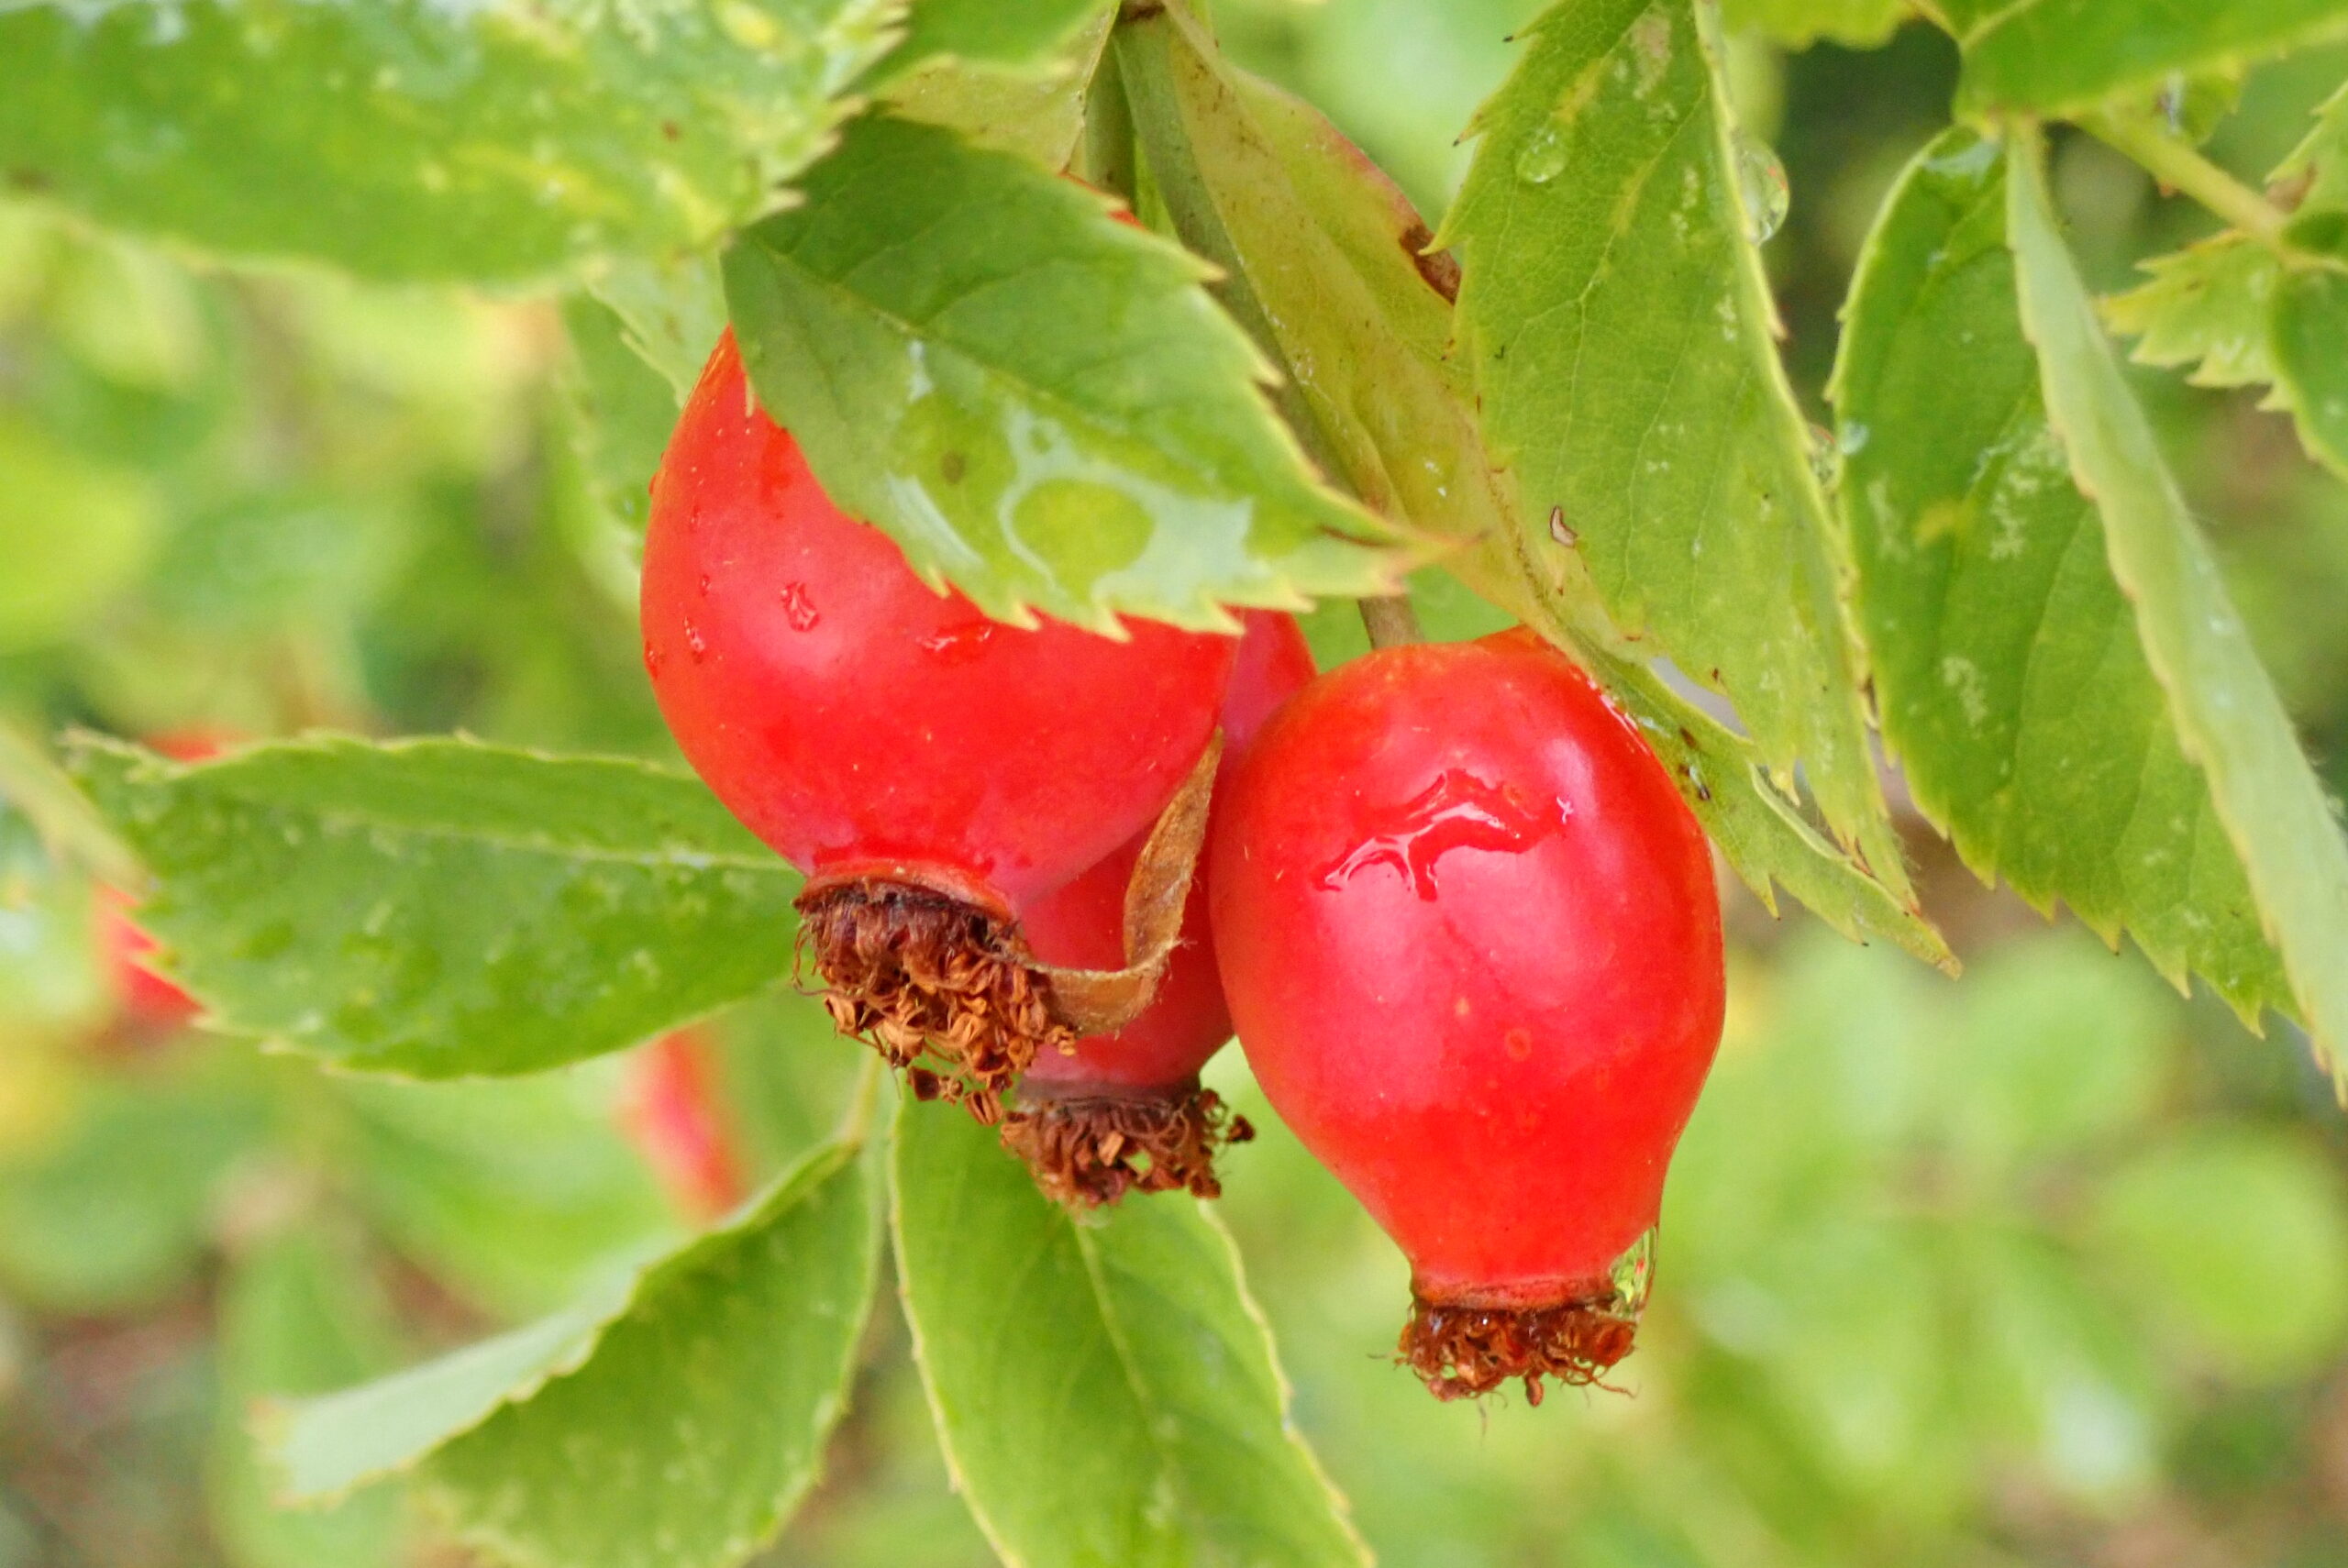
(2050, 1266)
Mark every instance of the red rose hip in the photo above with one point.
(1471, 939)
(1123, 1112)
(932, 770)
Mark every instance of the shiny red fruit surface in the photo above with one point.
(1471, 939)
(866, 727)
(1081, 925)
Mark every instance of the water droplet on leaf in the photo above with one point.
(1761, 188)
(1544, 158)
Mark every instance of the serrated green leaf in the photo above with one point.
(1003, 32)
(2205, 306)
(672, 310)
(1105, 1389)
(1323, 262)
(674, 1419)
(2008, 675)
(623, 410)
(1041, 404)
(297, 1315)
(2058, 56)
(1620, 328)
(2225, 710)
(325, 1445)
(438, 908)
(2309, 340)
(1035, 110)
(698, 1424)
(501, 140)
(1798, 24)
(2320, 163)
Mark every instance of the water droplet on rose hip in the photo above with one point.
(959, 644)
(694, 643)
(1761, 188)
(1543, 156)
(651, 659)
(797, 608)
(1458, 811)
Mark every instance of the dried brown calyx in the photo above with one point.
(1464, 1348)
(1462, 1351)
(950, 995)
(942, 988)
(1089, 1150)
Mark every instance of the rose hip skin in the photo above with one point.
(1081, 925)
(865, 725)
(933, 770)
(1470, 938)
(1124, 1110)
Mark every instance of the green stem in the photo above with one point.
(2178, 166)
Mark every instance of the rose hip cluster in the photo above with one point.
(1464, 925)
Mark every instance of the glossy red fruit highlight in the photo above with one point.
(934, 771)
(673, 1114)
(1123, 1112)
(1470, 938)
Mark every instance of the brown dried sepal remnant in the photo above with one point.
(1087, 1150)
(942, 990)
(1462, 1351)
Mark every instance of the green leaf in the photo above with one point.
(325, 1445)
(73, 534)
(513, 1193)
(2236, 1240)
(2225, 710)
(2058, 56)
(297, 1315)
(1004, 32)
(1620, 328)
(2320, 163)
(498, 141)
(675, 1419)
(1104, 1388)
(1323, 261)
(2307, 331)
(2007, 674)
(1035, 110)
(672, 312)
(1041, 404)
(2207, 306)
(623, 410)
(438, 908)
(1798, 24)
(1762, 834)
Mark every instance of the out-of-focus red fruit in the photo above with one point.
(1470, 938)
(935, 772)
(146, 1002)
(1117, 1113)
(672, 1113)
